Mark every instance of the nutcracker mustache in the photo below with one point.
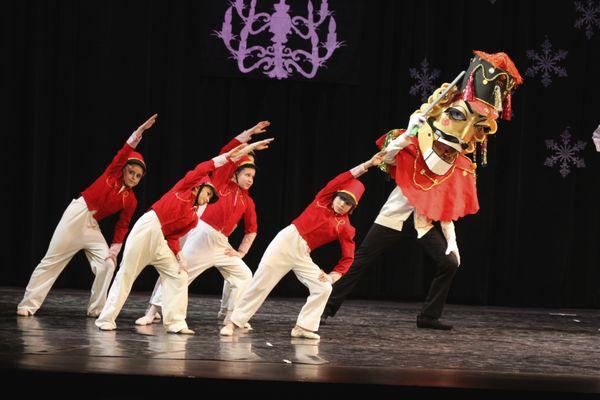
(450, 140)
(443, 152)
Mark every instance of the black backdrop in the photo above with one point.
(78, 77)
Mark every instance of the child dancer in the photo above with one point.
(78, 228)
(154, 240)
(324, 220)
(207, 245)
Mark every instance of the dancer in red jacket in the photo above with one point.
(208, 245)
(323, 221)
(78, 228)
(154, 240)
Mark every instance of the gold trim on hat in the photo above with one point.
(351, 194)
(509, 79)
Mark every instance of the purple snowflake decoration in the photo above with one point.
(565, 153)
(546, 63)
(424, 80)
(589, 16)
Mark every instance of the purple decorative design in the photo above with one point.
(424, 80)
(277, 60)
(590, 16)
(565, 153)
(546, 63)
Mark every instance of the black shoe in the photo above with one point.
(432, 323)
(324, 319)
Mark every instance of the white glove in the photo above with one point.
(416, 121)
(183, 266)
(450, 235)
(453, 248)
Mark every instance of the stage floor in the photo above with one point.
(369, 343)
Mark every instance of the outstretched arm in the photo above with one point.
(136, 136)
(364, 167)
(120, 159)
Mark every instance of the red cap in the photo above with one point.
(354, 188)
(137, 159)
(245, 161)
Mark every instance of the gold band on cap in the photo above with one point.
(137, 159)
(349, 193)
(246, 164)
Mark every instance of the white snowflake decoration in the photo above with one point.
(590, 16)
(424, 80)
(565, 153)
(546, 62)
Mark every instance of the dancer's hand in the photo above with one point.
(146, 125)
(183, 266)
(258, 128)
(261, 144)
(237, 152)
(324, 277)
(113, 252)
(233, 253)
(375, 160)
(453, 248)
(416, 121)
(335, 276)
(112, 259)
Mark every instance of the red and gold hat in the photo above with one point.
(491, 79)
(137, 159)
(246, 161)
(354, 188)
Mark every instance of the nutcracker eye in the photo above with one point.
(456, 114)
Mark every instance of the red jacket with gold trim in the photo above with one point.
(176, 211)
(234, 202)
(319, 224)
(109, 195)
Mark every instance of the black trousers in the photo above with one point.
(378, 240)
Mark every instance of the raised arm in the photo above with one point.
(334, 185)
(120, 159)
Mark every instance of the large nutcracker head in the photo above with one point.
(469, 113)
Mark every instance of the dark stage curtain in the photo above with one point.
(77, 77)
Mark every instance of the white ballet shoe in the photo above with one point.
(24, 313)
(147, 319)
(185, 331)
(227, 330)
(106, 327)
(298, 332)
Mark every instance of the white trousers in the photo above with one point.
(226, 304)
(76, 230)
(146, 245)
(287, 252)
(204, 248)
